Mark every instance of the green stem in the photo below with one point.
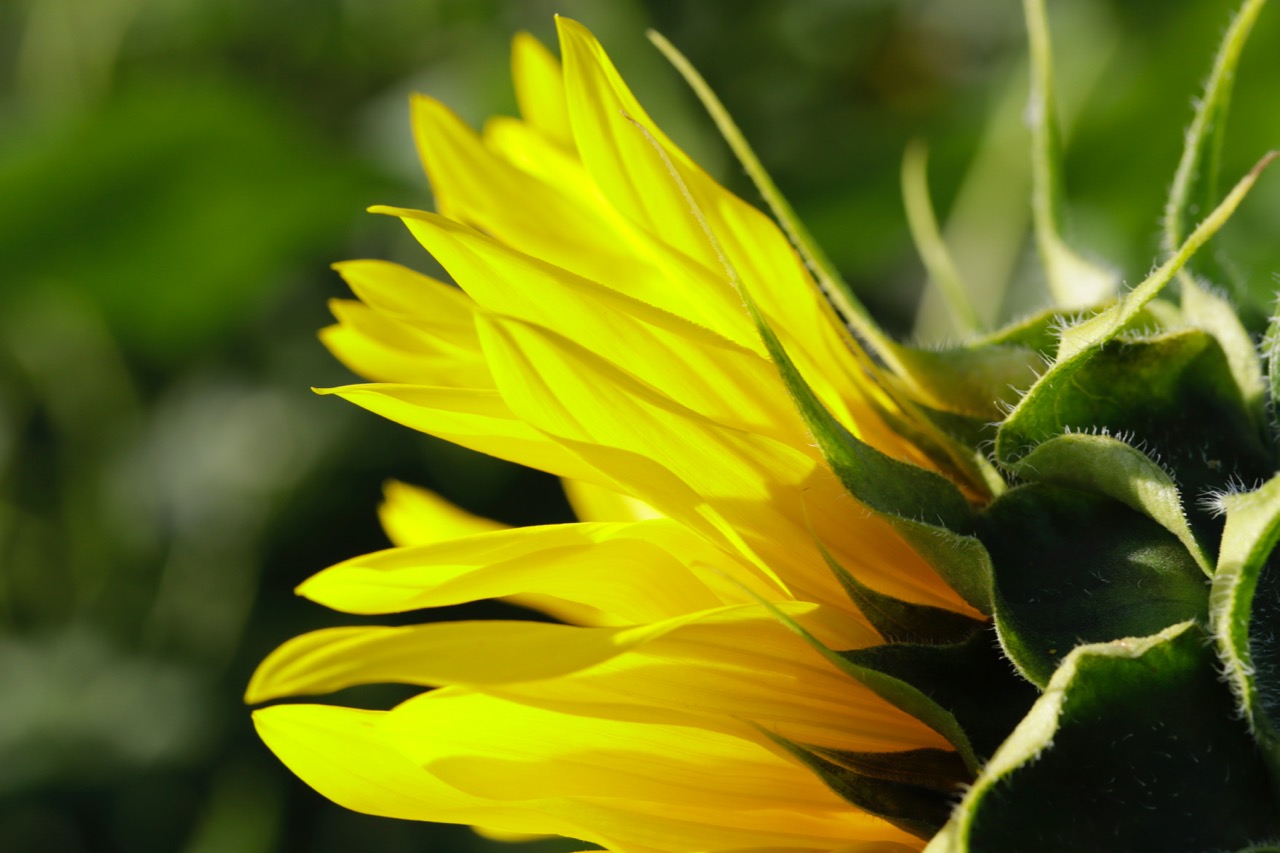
(929, 243)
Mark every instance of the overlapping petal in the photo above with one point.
(470, 758)
(597, 332)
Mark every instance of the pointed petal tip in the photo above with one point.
(523, 39)
(300, 589)
(569, 26)
(327, 334)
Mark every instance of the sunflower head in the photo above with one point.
(826, 591)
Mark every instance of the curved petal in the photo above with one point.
(771, 495)
(594, 503)
(689, 363)
(540, 88)
(476, 418)
(636, 571)
(537, 199)
(440, 309)
(382, 348)
(721, 791)
(726, 670)
(456, 757)
(438, 653)
(412, 515)
(343, 754)
(632, 162)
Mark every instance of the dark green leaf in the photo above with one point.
(1135, 746)
(1246, 609)
(893, 690)
(1173, 394)
(902, 621)
(1205, 309)
(928, 510)
(971, 680)
(1073, 567)
(1108, 466)
(936, 769)
(914, 809)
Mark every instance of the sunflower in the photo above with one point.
(802, 609)
(594, 334)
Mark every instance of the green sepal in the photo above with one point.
(926, 509)
(1205, 309)
(935, 769)
(948, 441)
(1195, 181)
(883, 484)
(976, 380)
(1245, 610)
(1108, 466)
(1058, 399)
(1271, 352)
(895, 691)
(1073, 282)
(1135, 745)
(1037, 332)
(918, 810)
(970, 680)
(1173, 392)
(972, 386)
(901, 621)
(1080, 341)
(962, 561)
(1075, 567)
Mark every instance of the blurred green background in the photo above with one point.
(175, 178)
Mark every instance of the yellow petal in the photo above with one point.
(774, 497)
(431, 305)
(532, 196)
(473, 185)
(540, 88)
(411, 515)
(381, 348)
(633, 570)
(342, 753)
(505, 836)
(594, 503)
(692, 365)
(634, 782)
(724, 670)
(411, 328)
(620, 157)
(476, 418)
(620, 146)
(393, 764)
(727, 671)
(438, 653)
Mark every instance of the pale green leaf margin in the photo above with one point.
(1250, 535)
(1035, 733)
